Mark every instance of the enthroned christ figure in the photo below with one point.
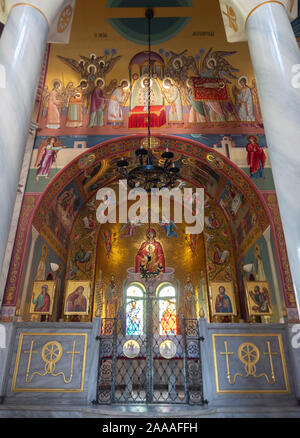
(150, 254)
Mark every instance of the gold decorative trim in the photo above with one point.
(261, 4)
(31, 6)
(16, 369)
(253, 391)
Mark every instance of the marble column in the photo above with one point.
(21, 313)
(278, 295)
(22, 47)
(17, 208)
(274, 52)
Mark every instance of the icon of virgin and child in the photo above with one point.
(150, 255)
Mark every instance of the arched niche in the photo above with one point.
(200, 167)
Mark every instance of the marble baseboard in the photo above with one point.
(164, 411)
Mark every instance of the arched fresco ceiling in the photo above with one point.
(96, 168)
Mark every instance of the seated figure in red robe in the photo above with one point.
(150, 254)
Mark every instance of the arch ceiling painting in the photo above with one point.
(96, 168)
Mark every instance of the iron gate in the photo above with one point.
(159, 362)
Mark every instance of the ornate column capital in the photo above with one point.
(235, 14)
(57, 13)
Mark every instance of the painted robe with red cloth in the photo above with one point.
(256, 159)
(157, 256)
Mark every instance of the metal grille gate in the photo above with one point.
(156, 368)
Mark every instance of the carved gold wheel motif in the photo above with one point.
(64, 19)
(51, 354)
(249, 354)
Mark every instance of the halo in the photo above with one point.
(179, 60)
(53, 136)
(56, 80)
(211, 59)
(189, 83)
(103, 81)
(142, 81)
(93, 54)
(101, 62)
(164, 82)
(125, 80)
(83, 80)
(91, 65)
(255, 136)
(243, 77)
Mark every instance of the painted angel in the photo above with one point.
(244, 100)
(215, 65)
(54, 102)
(179, 65)
(46, 156)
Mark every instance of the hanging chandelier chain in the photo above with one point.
(149, 14)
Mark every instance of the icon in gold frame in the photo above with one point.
(77, 297)
(42, 297)
(222, 299)
(258, 298)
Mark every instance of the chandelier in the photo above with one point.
(149, 174)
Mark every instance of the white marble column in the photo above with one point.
(25, 291)
(22, 47)
(278, 295)
(274, 52)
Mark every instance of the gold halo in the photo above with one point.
(142, 81)
(56, 80)
(211, 59)
(103, 81)
(255, 136)
(91, 65)
(179, 60)
(93, 54)
(167, 79)
(243, 77)
(189, 83)
(125, 80)
(83, 80)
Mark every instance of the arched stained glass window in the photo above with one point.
(134, 310)
(167, 310)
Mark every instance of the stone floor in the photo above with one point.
(146, 411)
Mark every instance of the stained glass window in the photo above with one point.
(134, 311)
(167, 311)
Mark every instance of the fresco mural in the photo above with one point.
(186, 91)
(93, 101)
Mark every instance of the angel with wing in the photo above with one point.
(46, 156)
(244, 100)
(93, 67)
(261, 299)
(179, 66)
(215, 65)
